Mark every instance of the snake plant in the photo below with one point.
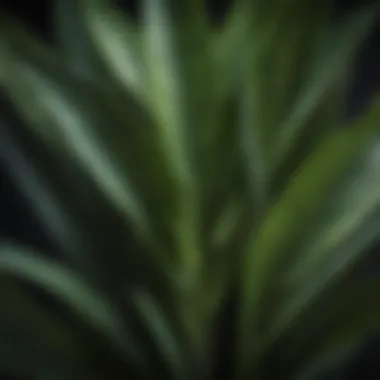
(209, 209)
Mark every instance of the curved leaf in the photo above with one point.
(68, 124)
(349, 227)
(92, 128)
(178, 71)
(342, 46)
(340, 322)
(162, 334)
(67, 286)
(117, 40)
(293, 215)
(72, 38)
(23, 41)
(48, 208)
(32, 340)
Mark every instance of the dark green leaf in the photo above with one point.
(117, 41)
(289, 218)
(71, 289)
(331, 62)
(74, 42)
(340, 321)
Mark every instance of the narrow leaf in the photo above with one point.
(68, 124)
(72, 38)
(117, 40)
(35, 324)
(288, 219)
(342, 46)
(71, 289)
(48, 208)
(163, 336)
(174, 39)
(342, 320)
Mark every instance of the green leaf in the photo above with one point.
(38, 338)
(276, 61)
(89, 132)
(237, 51)
(358, 199)
(162, 334)
(86, 302)
(66, 120)
(80, 226)
(346, 228)
(14, 34)
(118, 43)
(291, 217)
(167, 96)
(229, 43)
(327, 68)
(174, 38)
(344, 256)
(58, 222)
(342, 320)
(253, 140)
(72, 38)
(288, 55)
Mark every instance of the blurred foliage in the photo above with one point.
(189, 171)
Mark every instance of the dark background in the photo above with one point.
(16, 221)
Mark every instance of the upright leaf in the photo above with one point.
(291, 216)
(72, 38)
(118, 42)
(343, 45)
(174, 37)
(348, 226)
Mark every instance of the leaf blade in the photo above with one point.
(326, 168)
